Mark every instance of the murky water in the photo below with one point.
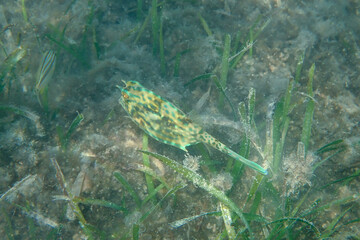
(70, 166)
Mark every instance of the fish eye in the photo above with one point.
(124, 95)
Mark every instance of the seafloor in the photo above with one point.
(100, 43)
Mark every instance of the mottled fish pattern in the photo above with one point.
(46, 70)
(163, 121)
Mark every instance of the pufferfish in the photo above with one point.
(166, 123)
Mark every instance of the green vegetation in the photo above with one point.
(293, 216)
(129, 188)
(146, 161)
(24, 13)
(155, 26)
(306, 132)
(7, 69)
(205, 25)
(80, 51)
(231, 56)
(64, 137)
(249, 221)
(86, 227)
(197, 180)
(148, 192)
(224, 67)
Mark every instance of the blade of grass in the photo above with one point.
(287, 229)
(287, 99)
(24, 13)
(155, 26)
(143, 26)
(68, 48)
(205, 96)
(330, 146)
(98, 202)
(330, 229)
(27, 114)
(134, 229)
(254, 217)
(20, 111)
(299, 67)
(205, 25)
(148, 178)
(251, 108)
(276, 123)
(326, 159)
(139, 10)
(251, 39)
(207, 162)
(235, 59)
(177, 65)
(74, 124)
(54, 233)
(150, 172)
(61, 136)
(280, 126)
(41, 219)
(280, 146)
(346, 179)
(236, 42)
(224, 68)
(299, 204)
(242, 112)
(259, 31)
(253, 26)
(182, 222)
(227, 221)
(75, 207)
(268, 151)
(355, 175)
(335, 145)
(309, 112)
(26, 181)
(161, 46)
(200, 77)
(251, 133)
(95, 42)
(9, 63)
(70, 6)
(152, 195)
(222, 91)
(129, 188)
(168, 194)
(83, 48)
(125, 36)
(335, 202)
(353, 221)
(108, 117)
(256, 203)
(254, 187)
(293, 221)
(144, 216)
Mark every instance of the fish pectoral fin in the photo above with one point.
(183, 148)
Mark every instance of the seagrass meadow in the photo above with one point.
(163, 119)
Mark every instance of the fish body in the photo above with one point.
(163, 121)
(46, 70)
(44, 75)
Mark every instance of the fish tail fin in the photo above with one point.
(208, 139)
